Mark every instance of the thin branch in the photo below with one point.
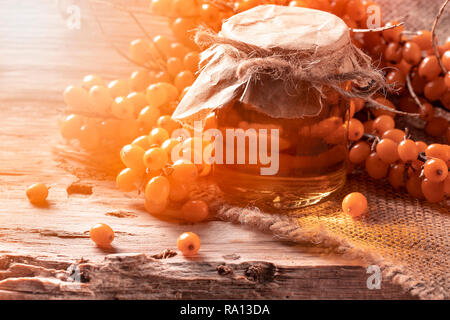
(412, 93)
(378, 29)
(118, 50)
(433, 36)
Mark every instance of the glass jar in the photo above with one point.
(312, 154)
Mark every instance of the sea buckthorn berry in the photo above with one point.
(140, 51)
(397, 79)
(148, 116)
(440, 151)
(100, 98)
(162, 77)
(171, 91)
(429, 68)
(192, 59)
(184, 79)
(188, 243)
(76, 98)
(436, 127)
(183, 30)
(127, 179)
(434, 89)
(426, 112)
(383, 123)
(375, 167)
(178, 50)
(394, 34)
(166, 122)
(168, 145)
(413, 185)
(89, 137)
(359, 152)
(412, 53)
(140, 80)
(393, 52)
(174, 66)
(155, 207)
(102, 235)
(131, 156)
(418, 83)
(155, 158)
(435, 170)
(354, 204)
(158, 136)
(156, 95)
(387, 150)
(142, 142)
(445, 100)
(179, 191)
(92, 80)
(368, 127)
(397, 175)
(157, 190)
(185, 8)
(407, 150)
(433, 191)
(404, 67)
(421, 146)
(423, 39)
(163, 45)
(139, 101)
(184, 171)
(122, 108)
(118, 88)
(396, 135)
(445, 59)
(37, 193)
(355, 10)
(355, 129)
(195, 211)
(71, 126)
(378, 111)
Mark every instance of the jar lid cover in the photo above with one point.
(289, 28)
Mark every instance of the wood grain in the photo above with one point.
(39, 57)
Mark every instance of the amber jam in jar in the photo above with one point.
(311, 156)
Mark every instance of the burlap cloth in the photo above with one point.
(407, 238)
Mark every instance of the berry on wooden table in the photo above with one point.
(102, 235)
(188, 243)
(37, 193)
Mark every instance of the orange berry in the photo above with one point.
(413, 185)
(157, 190)
(434, 89)
(179, 191)
(155, 207)
(102, 235)
(433, 191)
(92, 80)
(155, 158)
(355, 10)
(429, 68)
(354, 204)
(126, 180)
(192, 59)
(184, 171)
(394, 34)
(195, 211)
(184, 79)
(412, 53)
(118, 88)
(37, 193)
(71, 126)
(393, 52)
(445, 59)
(359, 152)
(140, 80)
(148, 116)
(423, 39)
(355, 129)
(397, 175)
(76, 98)
(89, 137)
(188, 243)
(387, 150)
(158, 136)
(383, 123)
(140, 51)
(435, 170)
(407, 150)
(131, 156)
(427, 111)
(440, 151)
(375, 167)
(396, 135)
(437, 127)
(421, 146)
(166, 122)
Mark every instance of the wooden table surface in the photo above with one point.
(39, 57)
